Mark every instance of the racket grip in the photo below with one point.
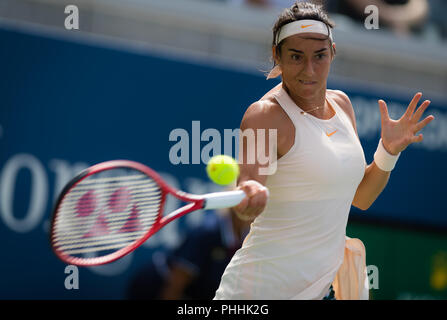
(226, 199)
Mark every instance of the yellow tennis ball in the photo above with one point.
(222, 169)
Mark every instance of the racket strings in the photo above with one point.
(104, 214)
(149, 206)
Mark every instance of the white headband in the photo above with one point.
(297, 27)
(303, 26)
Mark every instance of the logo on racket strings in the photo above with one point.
(120, 201)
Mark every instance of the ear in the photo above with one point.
(334, 51)
(276, 59)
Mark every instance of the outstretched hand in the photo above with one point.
(397, 135)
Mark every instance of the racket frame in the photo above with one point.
(195, 203)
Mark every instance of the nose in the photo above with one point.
(308, 70)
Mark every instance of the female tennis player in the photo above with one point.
(296, 246)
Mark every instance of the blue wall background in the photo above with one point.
(65, 105)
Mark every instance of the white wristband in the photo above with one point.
(383, 159)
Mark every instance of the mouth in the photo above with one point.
(308, 83)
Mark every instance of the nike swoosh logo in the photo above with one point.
(330, 134)
(302, 27)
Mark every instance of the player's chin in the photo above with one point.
(307, 89)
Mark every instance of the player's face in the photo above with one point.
(305, 63)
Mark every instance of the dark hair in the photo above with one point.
(300, 11)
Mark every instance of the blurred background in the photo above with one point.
(136, 70)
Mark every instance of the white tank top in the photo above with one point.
(296, 245)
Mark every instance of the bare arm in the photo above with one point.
(255, 150)
(396, 136)
(371, 186)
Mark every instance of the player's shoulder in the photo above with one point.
(339, 96)
(344, 103)
(342, 100)
(264, 113)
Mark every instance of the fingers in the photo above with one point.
(420, 125)
(242, 206)
(412, 105)
(423, 123)
(383, 111)
(256, 194)
(254, 203)
(420, 111)
(417, 138)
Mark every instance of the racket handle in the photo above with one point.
(226, 199)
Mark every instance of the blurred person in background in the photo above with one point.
(263, 3)
(193, 270)
(400, 16)
(437, 20)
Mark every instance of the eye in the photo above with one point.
(320, 56)
(296, 57)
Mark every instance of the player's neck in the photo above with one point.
(308, 104)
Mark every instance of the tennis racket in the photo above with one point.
(110, 209)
